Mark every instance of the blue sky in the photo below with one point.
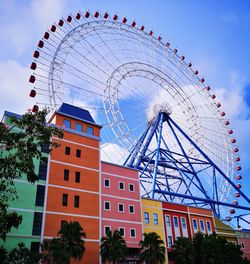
(214, 35)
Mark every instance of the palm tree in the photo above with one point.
(69, 244)
(152, 249)
(72, 238)
(113, 247)
(206, 249)
(183, 251)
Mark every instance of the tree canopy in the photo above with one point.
(20, 143)
(113, 247)
(69, 244)
(206, 249)
(152, 249)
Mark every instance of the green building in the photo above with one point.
(29, 204)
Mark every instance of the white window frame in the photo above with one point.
(157, 218)
(169, 221)
(123, 229)
(133, 208)
(197, 229)
(109, 205)
(106, 179)
(130, 233)
(178, 224)
(146, 218)
(209, 231)
(119, 185)
(105, 229)
(182, 217)
(119, 208)
(171, 241)
(204, 229)
(131, 184)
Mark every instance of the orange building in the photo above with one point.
(73, 177)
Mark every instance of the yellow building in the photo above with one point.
(153, 218)
(225, 231)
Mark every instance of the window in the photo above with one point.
(176, 224)
(170, 243)
(208, 226)
(65, 199)
(132, 232)
(131, 187)
(77, 201)
(37, 224)
(121, 185)
(183, 222)
(90, 130)
(202, 226)
(78, 153)
(121, 207)
(34, 247)
(66, 123)
(146, 217)
(42, 174)
(107, 183)
(131, 209)
(66, 175)
(67, 150)
(77, 176)
(242, 245)
(40, 195)
(155, 216)
(107, 229)
(195, 225)
(45, 148)
(107, 205)
(167, 219)
(78, 127)
(122, 231)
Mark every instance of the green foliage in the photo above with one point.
(20, 144)
(113, 247)
(152, 250)
(3, 255)
(69, 244)
(206, 249)
(22, 255)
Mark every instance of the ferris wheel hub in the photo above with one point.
(162, 108)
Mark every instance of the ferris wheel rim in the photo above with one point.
(121, 24)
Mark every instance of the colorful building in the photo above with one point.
(73, 178)
(225, 231)
(30, 202)
(75, 185)
(121, 204)
(244, 241)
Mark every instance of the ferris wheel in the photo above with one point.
(158, 113)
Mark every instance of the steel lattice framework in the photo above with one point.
(176, 176)
(122, 74)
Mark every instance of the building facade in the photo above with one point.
(75, 185)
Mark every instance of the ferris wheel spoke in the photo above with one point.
(125, 76)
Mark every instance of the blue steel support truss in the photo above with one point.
(173, 176)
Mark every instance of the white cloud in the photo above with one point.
(114, 153)
(22, 25)
(14, 93)
(47, 11)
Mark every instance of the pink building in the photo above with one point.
(121, 204)
(244, 242)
